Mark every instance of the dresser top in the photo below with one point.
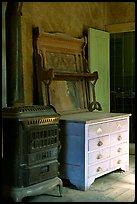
(92, 117)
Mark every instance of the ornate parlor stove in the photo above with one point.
(30, 151)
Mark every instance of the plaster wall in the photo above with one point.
(73, 18)
(120, 12)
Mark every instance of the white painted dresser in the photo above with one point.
(93, 144)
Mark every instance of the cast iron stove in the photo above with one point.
(30, 150)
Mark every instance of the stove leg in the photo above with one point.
(17, 194)
(60, 185)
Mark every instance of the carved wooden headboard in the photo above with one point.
(62, 71)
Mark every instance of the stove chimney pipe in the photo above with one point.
(15, 94)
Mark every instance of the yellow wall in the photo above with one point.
(120, 12)
(72, 18)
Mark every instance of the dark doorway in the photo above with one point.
(122, 76)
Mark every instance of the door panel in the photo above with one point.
(99, 60)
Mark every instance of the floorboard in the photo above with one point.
(113, 187)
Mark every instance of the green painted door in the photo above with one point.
(99, 60)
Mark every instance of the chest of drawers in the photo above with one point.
(93, 144)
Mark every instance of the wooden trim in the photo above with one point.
(50, 75)
(122, 27)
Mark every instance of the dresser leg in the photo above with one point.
(90, 182)
(125, 168)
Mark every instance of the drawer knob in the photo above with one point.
(99, 169)
(99, 131)
(99, 156)
(119, 149)
(119, 162)
(119, 126)
(119, 138)
(100, 143)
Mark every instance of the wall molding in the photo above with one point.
(121, 27)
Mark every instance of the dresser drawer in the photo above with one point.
(98, 143)
(118, 125)
(99, 155)
(119, 149)
(119, 137)
(107, 127)
(97, 130)
(118, 161)
(98, 168)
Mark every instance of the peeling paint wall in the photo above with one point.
(120, 12)
(73, 18)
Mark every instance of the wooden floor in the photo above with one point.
(113, 187)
